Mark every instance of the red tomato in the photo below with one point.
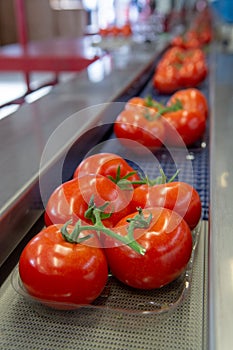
(106, 164)
(194, 55)
(126, 30)
(180, 68)
(185, 125)
(191, 40)
(178, 40)
(140, 125)
(192, 73)
(103, 32)
(168, 243)
(70, 200)
(191, 99)
(135, 101)
(166, 79)
(197, 57)
(202, 25)
(114, 30)
(55, 270)
(178, 196)
(205, 35)
(171, 56)
(146, 102)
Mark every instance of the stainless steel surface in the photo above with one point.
(221, 207)
(24, 134)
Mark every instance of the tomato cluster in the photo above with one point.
(181, 122)
(192, 39)
(180, 68)
(138, 228)
(115, 31)
(198, 35)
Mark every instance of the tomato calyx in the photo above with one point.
(150, 102)
(180, 56)
(176, 106)
(161, 179)
(139, 221)
(122, 181)
(73, 237)
(90, 214)
(151, 115)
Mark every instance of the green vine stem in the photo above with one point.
(152, 103)
(161, 108)
(139, 221)
(172, 108)
(126, 184)
(161, 179)
(122, 181)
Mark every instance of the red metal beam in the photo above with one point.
(20, 13)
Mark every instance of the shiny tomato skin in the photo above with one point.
(166, 79)
(133, 125)
(177, 40)
(178, 196)
(191, 99)
(126, 30)
(105, 164)
(168, 243)
(206, 36)
(70, 200)
(191, 40)
(141, 102)
(183, 126)
(195, 55)
(171, 56)
(192, 73)
(197, 72)
(180, 68)
(135, 101)
(55, 270)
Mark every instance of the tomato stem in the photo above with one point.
(73, 237)
(139, 221)
(154, 115)
(162, 179)
(152, 103)
(92, 206)
(122, 181)
(172, 108)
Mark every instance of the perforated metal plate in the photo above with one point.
(118, 297)
(23, 327)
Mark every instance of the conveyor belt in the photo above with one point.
(192, 162)
(193, 165)
(197, 154)
(26, 326)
